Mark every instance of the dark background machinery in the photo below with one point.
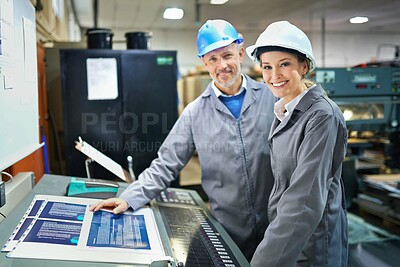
(369, 97)
(135, 123)
(370, 101)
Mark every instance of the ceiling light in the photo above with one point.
(358, 20)
(218, 2)
(173, 13)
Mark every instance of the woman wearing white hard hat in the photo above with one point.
(308, 141)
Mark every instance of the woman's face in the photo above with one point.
(282, 72)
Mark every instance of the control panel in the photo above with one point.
(344, 82)
(176, 197)
(194, 237)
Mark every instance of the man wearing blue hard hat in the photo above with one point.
(228, 126)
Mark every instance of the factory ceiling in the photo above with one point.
(246, 15)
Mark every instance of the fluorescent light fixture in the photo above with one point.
(218, 2)
(358, 20)
(173, 13)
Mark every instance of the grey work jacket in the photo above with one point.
(306, 209)
(234, 159)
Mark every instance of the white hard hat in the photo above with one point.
(286, 35)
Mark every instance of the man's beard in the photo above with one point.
(229, 83)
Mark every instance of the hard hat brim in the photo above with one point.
(251, 52)
(218, 45)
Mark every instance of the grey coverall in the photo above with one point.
(306, 209)
(234, 159)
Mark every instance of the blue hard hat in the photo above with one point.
(215, 34)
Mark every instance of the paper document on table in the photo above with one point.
(63, 228)
(102, 159)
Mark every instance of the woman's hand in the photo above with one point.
(117, 205)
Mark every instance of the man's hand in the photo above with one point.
(117, 204)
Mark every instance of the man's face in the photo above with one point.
(223, 64)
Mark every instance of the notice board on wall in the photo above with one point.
(19, 115)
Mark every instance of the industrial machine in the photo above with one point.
(370, 101)
(195, 237)
(122, 102)
(175, 230)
